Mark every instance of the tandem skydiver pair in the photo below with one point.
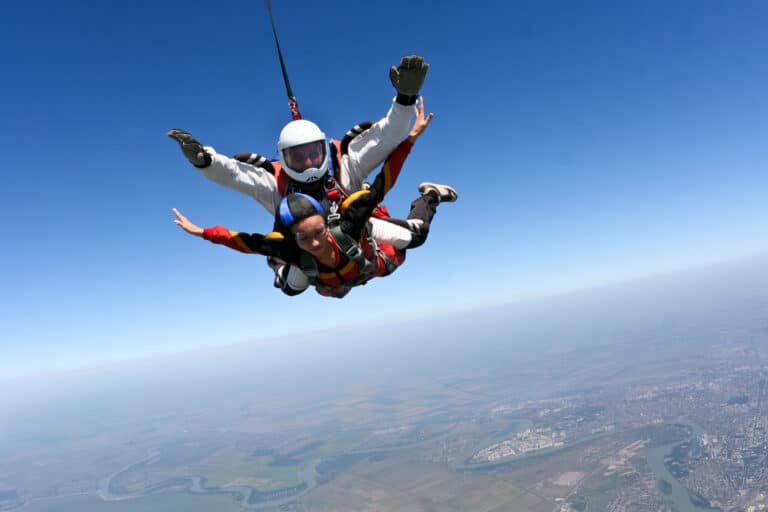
(330, 230)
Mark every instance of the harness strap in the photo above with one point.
(334, 162)
(256, 160)
(351, 134)
(309, 266)
(349, 247)
(347, 244)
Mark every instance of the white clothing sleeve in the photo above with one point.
(244, 178)
(371, 148)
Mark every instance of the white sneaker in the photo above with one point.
(445, 193)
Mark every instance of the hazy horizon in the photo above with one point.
(642, 311)
(292, 339)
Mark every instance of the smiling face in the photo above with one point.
(312, 235)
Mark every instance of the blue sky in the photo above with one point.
(591, 142)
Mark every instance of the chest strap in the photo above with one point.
(349, 247)
(353, 250)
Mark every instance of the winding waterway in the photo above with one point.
(196, 485)
(249, 497)
(515, 426)
(678, 496)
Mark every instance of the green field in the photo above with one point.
(228, 466)
(164, 502)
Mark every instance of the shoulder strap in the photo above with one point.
(272, 167)
(340, 148)
(352, 133)
(349, 246)
(256, 160)
(309, 267)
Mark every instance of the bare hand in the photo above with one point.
(186, 225)
(421, 122)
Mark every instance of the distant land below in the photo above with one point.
(642, 394)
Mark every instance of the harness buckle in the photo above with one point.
(333, 214)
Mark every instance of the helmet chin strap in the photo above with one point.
(292, 103)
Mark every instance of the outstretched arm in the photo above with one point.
(357, 208)
(272, 244)
(252, 180)
(389, 173)
(421, 122)
(369, 149)
(187, 225)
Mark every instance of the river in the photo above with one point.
(196, 485)
(679, 494)
(308, 478)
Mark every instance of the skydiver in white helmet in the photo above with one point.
(334, 249)
(306, 160)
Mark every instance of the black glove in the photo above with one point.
(192, 149)
(408, 78)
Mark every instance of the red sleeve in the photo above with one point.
(221, 235)
(358, 207)
(394, 164)
(272, 244)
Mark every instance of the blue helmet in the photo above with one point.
(297, 207)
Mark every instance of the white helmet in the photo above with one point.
(303, 151)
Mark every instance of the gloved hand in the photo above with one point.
(191, 147)
(408, 78)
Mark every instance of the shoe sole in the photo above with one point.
(446, 193)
